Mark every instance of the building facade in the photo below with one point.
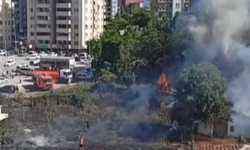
(133, 3)
(6, 9)
(168, 8)
(20, 19)
(113, 8)
(64, 24)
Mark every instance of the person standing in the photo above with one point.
(17, 89)
(81, 142)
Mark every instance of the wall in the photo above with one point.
(240, 125)
(204, 130)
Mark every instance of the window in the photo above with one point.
(31, 10)
(43, 9)
(1, 22)
(63, 1)
(231, 128)
(63, 9)
(76, 43)
(43, 25)
(31, 33)
(76, 26)
(62, 34)
(43, 33)
(63, 18)
(43, 1)
(178, 5)
(43, 17)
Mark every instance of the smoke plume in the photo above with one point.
(217, 32)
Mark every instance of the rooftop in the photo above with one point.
(55, 58)
(222, 147)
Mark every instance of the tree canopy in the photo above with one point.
(200, 95)
(131, 46)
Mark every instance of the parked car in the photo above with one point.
(34, 53)
(53, 54)
(3, 52)
(43, 54)
(22, 53)
(32, 57)
(18, 67)
(10, 62)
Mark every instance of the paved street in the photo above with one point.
(26, 85)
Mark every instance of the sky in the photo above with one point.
(146, 3)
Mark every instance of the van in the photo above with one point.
(35, 63)
(26, 70)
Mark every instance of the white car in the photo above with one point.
(3, 52)
(10, 62)
(53, 54)
(18, 67)
(32, 57)
(34, 53)
(43, 54)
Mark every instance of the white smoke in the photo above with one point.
(218, 29)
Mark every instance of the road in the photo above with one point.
(26, 85)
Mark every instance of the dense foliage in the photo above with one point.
(131, 46)
(200, 92)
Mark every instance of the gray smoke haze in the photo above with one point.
(218, 33)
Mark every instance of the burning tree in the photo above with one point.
(200, 95)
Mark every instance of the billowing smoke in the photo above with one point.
(217, 32)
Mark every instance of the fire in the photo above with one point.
(163, 82)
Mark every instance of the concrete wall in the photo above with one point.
(239, 126)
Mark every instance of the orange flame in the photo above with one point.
(163, 82)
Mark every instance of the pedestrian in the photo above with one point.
(81, 142)
(12, 89)
(87, 124)
(20, 81)
(17, 89)
(7, 72)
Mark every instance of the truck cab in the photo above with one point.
(43, 81)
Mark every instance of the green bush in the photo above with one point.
(241, 140)
(76, 89)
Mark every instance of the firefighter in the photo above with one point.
(81, 142)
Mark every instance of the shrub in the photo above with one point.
(241, 140)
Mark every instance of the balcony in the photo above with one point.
(63, 5)
(65, 30)
(63, 21)
(42, 5)
(63, 38)
(43, 21)
(63, 13)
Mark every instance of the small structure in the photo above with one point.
(57, 62)
(3, 115)
(239, 126)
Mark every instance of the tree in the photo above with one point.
(200, 92)
(140, 17)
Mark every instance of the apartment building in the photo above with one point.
(113, 8)
(20, 19)
(64, 24)
(6, 24)
(168, 8)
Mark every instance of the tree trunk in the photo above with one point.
(211, 130)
